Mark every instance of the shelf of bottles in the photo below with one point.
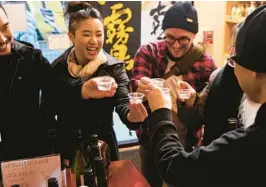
(234, 19)
(241, 10)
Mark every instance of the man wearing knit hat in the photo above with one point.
(173, 58)
(237, 158)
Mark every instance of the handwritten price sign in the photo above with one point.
(34, 172)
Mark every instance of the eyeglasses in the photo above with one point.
(183, 40)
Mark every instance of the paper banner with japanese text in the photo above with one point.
(122, 25)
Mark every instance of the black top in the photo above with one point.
(23, 75)
(235, 159)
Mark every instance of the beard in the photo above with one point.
(247, 111)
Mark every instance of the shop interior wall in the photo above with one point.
(211, 17)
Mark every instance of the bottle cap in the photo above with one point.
(53, 182)
(94, 137)
(93, 140)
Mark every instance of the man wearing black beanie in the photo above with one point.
(174, 58)
(237, 158)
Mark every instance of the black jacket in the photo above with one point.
(223, 100)
(222, 103)
(90, 115)
(27, 73)
(236, 159)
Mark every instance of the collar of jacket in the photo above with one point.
(162, 49)
(19, 48)
(110, 59)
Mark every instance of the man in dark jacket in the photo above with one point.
(24, 74)
(210, 107)
(237, 157)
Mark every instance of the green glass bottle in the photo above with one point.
(78, 164)
(100, 172)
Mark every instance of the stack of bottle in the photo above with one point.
(90, 165)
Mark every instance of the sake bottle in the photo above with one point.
(78, 164)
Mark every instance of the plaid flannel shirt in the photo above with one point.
(151, 61)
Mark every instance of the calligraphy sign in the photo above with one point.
(152, 15)
(122, 29)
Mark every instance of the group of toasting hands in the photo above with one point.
(152, 90)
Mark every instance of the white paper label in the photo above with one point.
(58, 41)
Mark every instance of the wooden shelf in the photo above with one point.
(231, 20)
(230, 23)
(234, 19)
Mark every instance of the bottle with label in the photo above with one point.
(53, 145)
(53, 182)
(78, 164)
(233, 11)
(100, 172)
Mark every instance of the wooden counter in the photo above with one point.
(123, 173)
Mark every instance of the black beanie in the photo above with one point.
(250, 48)
(181, 15)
